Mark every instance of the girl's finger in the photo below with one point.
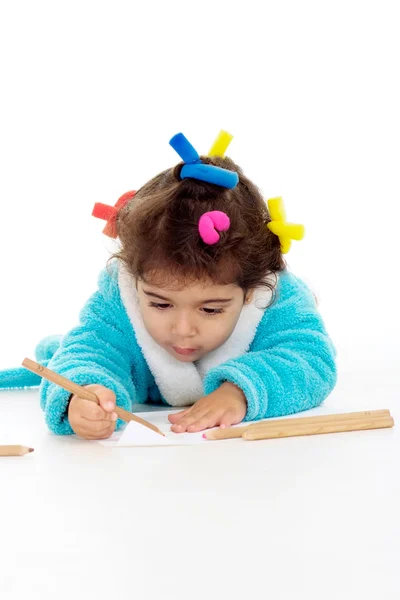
(229, 418)
(187, 420)
(210, 419)
(102, 435)
(174, 418)
(90, 434)
(94, 412)
(107, 398)
(95, 427)
(190, 419)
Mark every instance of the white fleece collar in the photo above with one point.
(181, 383)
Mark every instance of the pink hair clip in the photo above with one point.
(212, 222)
(110, 213)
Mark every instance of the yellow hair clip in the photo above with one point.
(278, 225)
(221, 144)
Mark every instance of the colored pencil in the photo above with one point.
(296, 429)
(14, 450)
(236, 432)
(82, 392)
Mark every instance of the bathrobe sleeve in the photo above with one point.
(99, 350)
(290, 366)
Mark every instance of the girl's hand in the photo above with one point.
(90, 420)
(225, 407)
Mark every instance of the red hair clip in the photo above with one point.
(110, 213)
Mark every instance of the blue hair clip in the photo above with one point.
(196, 169)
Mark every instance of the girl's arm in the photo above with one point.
(291, 364)
(99, 350)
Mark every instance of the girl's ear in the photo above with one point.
(249, 297)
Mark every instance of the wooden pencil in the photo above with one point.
(318, 428)
(236, 432)
(14, 450)
(82, 392)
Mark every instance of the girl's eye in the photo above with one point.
(208, 311)
(213, 311)
(159, 306)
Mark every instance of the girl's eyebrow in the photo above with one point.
(219, 300)
(156, 296)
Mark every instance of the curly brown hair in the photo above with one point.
(160, 240)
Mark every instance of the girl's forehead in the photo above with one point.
(191, 288)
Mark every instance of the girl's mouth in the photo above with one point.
(184, 351)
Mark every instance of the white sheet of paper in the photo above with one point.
(135, 434)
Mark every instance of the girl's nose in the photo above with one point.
(184, 326)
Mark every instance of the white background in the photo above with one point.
(92, 92)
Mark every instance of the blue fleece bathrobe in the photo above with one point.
(279, 354)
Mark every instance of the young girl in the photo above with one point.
(196, 310)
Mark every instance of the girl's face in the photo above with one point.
(189, 322)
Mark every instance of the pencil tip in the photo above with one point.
(30, 449)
